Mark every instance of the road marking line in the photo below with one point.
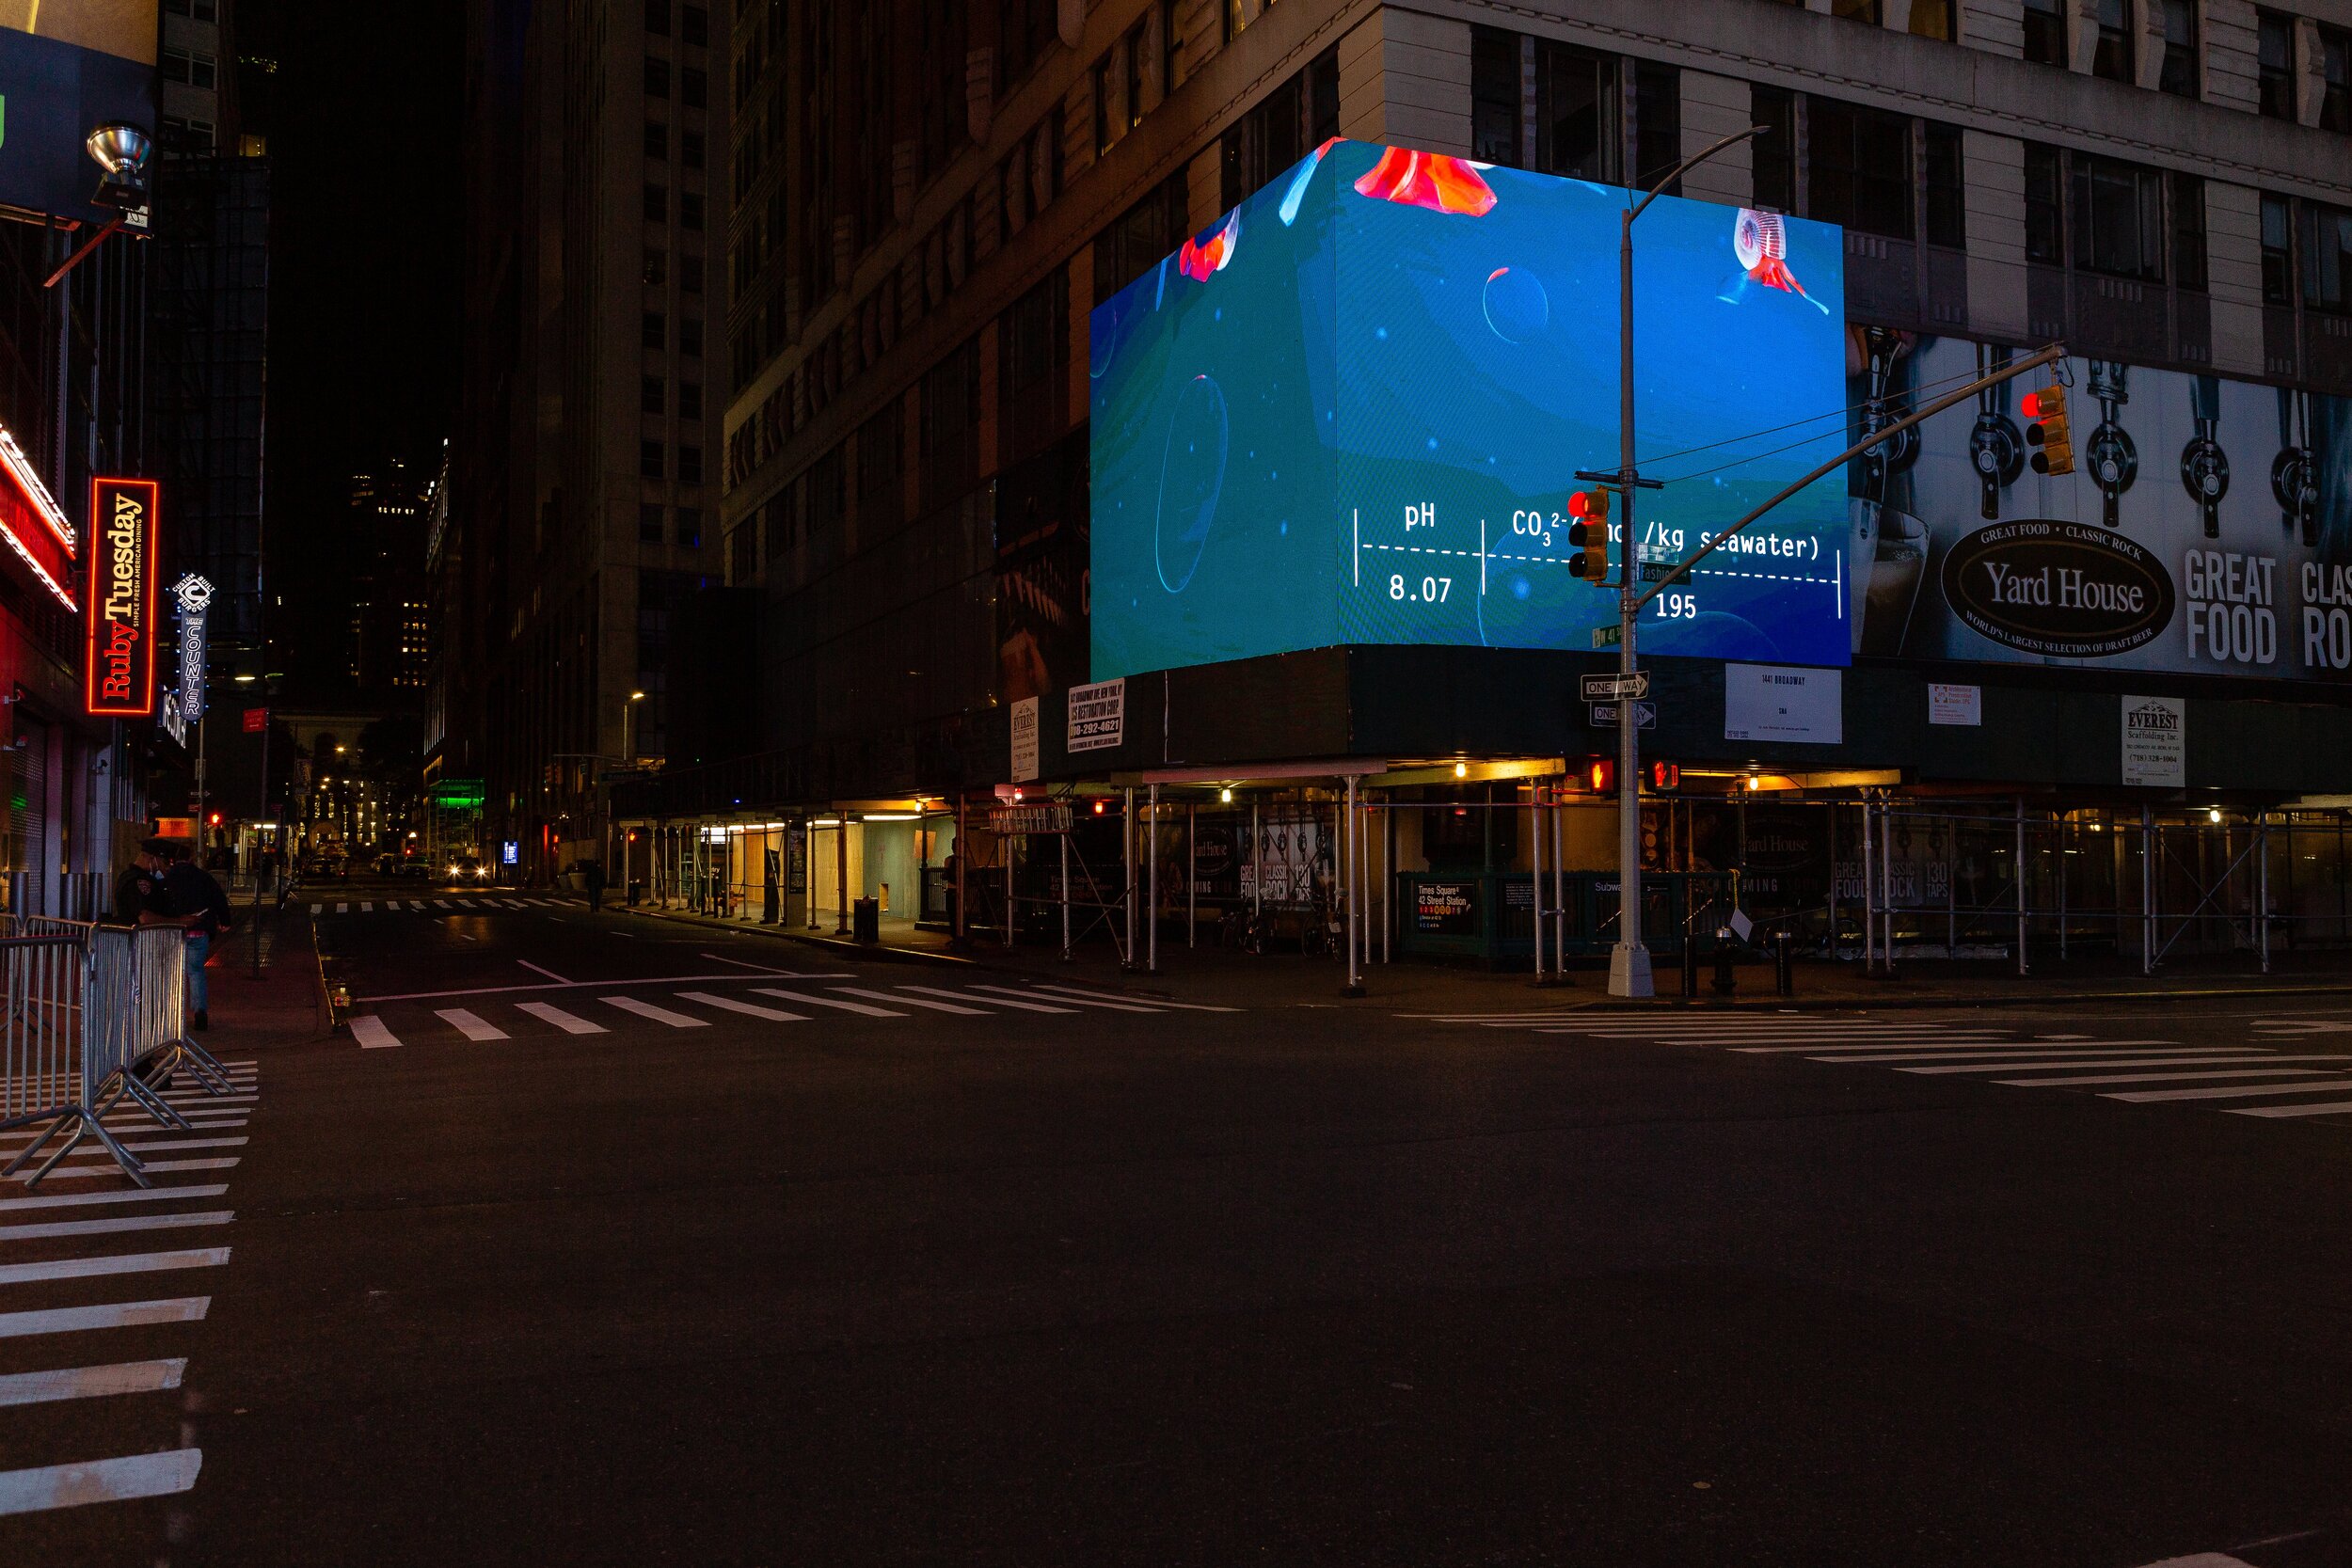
(113, 1314)
(2233, 1091)
(440, 903)
(464, 903)
(367, 907)
(2062, 1036)
(828, 1001)
(99, 1480)
(89, 1383)
(660, 1015)
(369, 1032)
(343, 909)
(571, 1023)
(1155, 1001)
(2300, 1026)
(472, 1026)
(2328, 1110)
(570, 985)
(916, 1002)
(2247, 1058)
(126, 1262)
(761, 969)
(160, 1143)
(2019, 1050)
(750, 1009)
(2174, 1077)
(67, 1172)
(2206, 1559)
(315, 908)
(57, 1230)
(137, 1195)
(1009, 1000)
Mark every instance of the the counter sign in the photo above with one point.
(119, 675)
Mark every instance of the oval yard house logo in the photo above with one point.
(2064, 590)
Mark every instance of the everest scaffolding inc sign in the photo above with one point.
(120, 656)
(2155, 742)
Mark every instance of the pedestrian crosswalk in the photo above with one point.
(2142, 1070)
(469, 903)
(603, 1007)
(98, 1316)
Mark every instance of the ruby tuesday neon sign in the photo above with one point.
(121, 657)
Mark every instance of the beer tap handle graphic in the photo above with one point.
(2294, 475)
(2114, 461)
(2205, 468)
(1996, 450)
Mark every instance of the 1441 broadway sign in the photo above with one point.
(120, 679)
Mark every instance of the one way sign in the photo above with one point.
(1608, 689)
(1605, 715)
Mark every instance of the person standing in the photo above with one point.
(138, 891)
(196, 898)
(591, 873)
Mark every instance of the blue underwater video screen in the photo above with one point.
(1353, 410)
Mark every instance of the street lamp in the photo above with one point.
(1629, 961)
(628, 712)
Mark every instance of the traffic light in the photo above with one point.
(1600, 775)
(212, 820)
(1666, 775)
(1589, 534)
(2046, 408)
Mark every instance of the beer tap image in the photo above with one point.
(1996, 450)
(2293, 473)
(2205, 468)
(2114, 461)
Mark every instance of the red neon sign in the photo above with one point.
(31, 524)
(118, 680)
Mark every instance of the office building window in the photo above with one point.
(1323, 97)
(1858, 168)
(1171, 47)
(1932, 19)
(689, 399)
(695, 25)
(2111, 54)
(2118, 219)
(742, 555)
(690, 465)
(689, 210)
(1870, 11)
(650, 395)
(2335, 79)
(657, 139)
(656, 203)
(1262, 143)
(1657, 123)
(689, 275)
(693, 86)
(1575, 113)
(657, 266)
(690, 337)
(690, 148)
(649, 523)
(1138, 238)
(656, 329)
(2278, 252)
(1775, 158)
(191, 65)
(1495, 96)
(2274, 61)
(2180, 74)
(2045, 204)
(2187, 196)
(1105, 128)
(1946, 188)
(657, 18)
(649, 459)
(657, 77)
(2326, 258)
(690, 527)
(2046, 32)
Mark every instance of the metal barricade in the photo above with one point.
(93, 1018)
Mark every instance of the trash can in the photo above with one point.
(866, 919)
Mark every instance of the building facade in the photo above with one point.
(583, 491)
(928, 200)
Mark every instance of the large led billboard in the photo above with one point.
(68, 67)
(1353, 409)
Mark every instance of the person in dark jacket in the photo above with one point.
(138, 891)
(198, 902)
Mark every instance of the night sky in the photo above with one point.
(363, 120)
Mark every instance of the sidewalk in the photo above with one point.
(1208, 974)
(285, 1006)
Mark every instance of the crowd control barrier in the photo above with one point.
(93, 1018)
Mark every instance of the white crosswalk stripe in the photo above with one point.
(472, 1026)
(815, 1000)
(660, 1015)
(914, 1001)
(1008, 1002)
(370, 1033)
(733, 1004)
(66, 1338)
(2117, 1069)
(571, 1023)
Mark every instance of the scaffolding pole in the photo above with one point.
(1348, 849)
(1065, 895)
(2262, 881)
(1949, 879)
(1192, 874)
(1535, 871)
(2146, 890)
(1869, 896)
(1152, 847)
(1127, 844)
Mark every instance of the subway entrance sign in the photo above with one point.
(1354, 409)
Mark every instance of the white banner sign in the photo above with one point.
(1097, 716)
(1025, 740)
(2155, 742)
(1956, 704)
(1772, 702)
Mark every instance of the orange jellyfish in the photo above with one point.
(1431, 180)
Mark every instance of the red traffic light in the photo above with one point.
(214, 819)
(2031, 406)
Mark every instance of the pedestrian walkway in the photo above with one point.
(471, 903)
(102, 1301)
(620, 1008)
(2253, 1080)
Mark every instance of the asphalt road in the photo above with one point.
(582, 1262)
